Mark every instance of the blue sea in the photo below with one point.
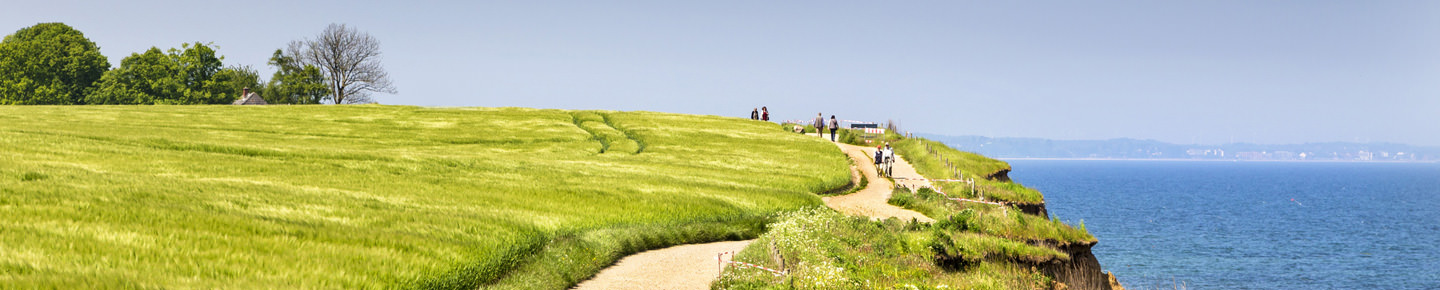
(1252, 225)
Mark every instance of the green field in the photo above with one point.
(378, 196)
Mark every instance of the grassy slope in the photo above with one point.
(967, 165)
(971, 246)
(377, 196)
(824, 249)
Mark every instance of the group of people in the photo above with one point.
(762, 114)
(820, 125)
(884, 154)
(884, 158)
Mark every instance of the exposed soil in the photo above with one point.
(1002, 176)
(1081, 272)
(1033, 208)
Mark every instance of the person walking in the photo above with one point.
(890, 159)
(819, 124)
(755, 114)
(879, 156)
(764, 114)
(834, 125)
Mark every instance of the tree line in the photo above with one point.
(54, 64)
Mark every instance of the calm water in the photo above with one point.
(1232, 225)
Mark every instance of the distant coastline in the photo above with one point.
(1214, 160)
(1133, 149)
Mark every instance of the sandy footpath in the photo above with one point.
(694, 266)
(872, 201)
(679, 267)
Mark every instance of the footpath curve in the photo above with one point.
(873, 200)
(694, 266)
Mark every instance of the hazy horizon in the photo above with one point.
(922, 134)
(1277, 72)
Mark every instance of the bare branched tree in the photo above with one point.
(350, 61)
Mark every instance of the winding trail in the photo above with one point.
(694, 266)
(872, 201)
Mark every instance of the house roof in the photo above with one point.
(251, 99)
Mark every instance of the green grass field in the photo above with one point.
(378, 196)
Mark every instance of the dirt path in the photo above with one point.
(678, 267)
(694, 266)
(872, 201)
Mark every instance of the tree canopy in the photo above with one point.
(294, 82)
(190, 75)
(48, 64)
(54, 64)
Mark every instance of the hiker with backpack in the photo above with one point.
(879, 156)
(834, 125)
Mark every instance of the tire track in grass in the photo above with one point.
(604, 143)
(640, 144)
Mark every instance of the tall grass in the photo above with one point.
(823, 249)
(929, 159)
(378, 196)
(970, 246)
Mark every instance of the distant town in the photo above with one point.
(1151, 149)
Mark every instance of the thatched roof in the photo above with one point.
(251, 99)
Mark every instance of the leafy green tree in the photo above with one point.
(138, 80)
(294, 82)
(232, 81)
(179, 76)
(49, 63)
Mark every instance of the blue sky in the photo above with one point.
(1185, 72)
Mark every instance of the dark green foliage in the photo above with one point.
(949, 255)
(294, 82)
(48, 64)
(960, 221)
(849, 136)
(232, 81)
(33, 176)
(179, 76)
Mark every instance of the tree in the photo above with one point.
(349, 60)
(230, 82)
(294, 82)
(49, 63)
(181, 76)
